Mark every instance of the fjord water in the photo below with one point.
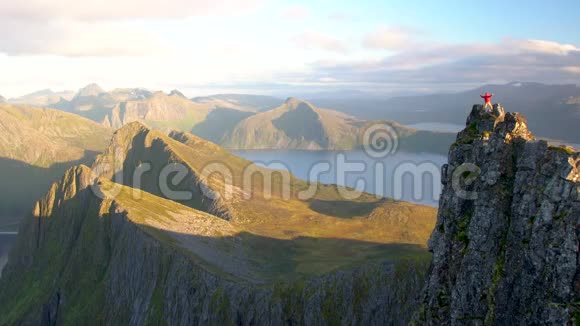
(413, 177)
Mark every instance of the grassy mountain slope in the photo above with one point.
(245, 198)
(113, 259)
(101, 247)
(218, 123)
(300, 125)
(36, 147)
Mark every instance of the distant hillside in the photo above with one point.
(124, 105)
(90, 101)
(298, 124)
(553, 110)
(36, 147)
(240, 102)
(219, 123)
(159, 111)
(130, 94)
(42, 98)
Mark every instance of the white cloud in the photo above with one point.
(390, 38)
(95, 10)
(297, 12)
(74, 39)
(97, 27)
(314, 40)
(547, 47)
(431, 64)
(572, 69)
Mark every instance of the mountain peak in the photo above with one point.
(42, 92)
(293, 103)
(176, 93)
(507, 199)
(90, 90)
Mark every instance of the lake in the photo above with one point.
(437, 126)
(413, 177)
(6, 242)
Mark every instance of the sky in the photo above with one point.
(203, 47)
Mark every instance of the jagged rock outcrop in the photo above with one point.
(505, 247)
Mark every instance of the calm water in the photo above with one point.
(6, 242)
(437, 126)
(413, 177)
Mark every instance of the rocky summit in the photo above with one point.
(505, 246)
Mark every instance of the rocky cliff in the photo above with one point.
(505, 247)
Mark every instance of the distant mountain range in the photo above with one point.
(237, 121)
(553, 110)
(42, 98)
(242, 121)
(240, 102)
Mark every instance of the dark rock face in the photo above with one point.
(505, 248)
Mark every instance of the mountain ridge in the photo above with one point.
(93, 247)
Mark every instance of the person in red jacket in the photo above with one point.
(487, 98)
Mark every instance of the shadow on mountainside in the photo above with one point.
(22, 184)
(219, 123)
(88, 251)
(343, 208)
(262, 259)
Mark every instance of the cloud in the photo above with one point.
(314, 40)
(100, 10)
(432, 64)
(548, 47)
(97, 27)
(75, 39)
(297, 12)
(390, 38)
(572, 69)
(340, 17)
